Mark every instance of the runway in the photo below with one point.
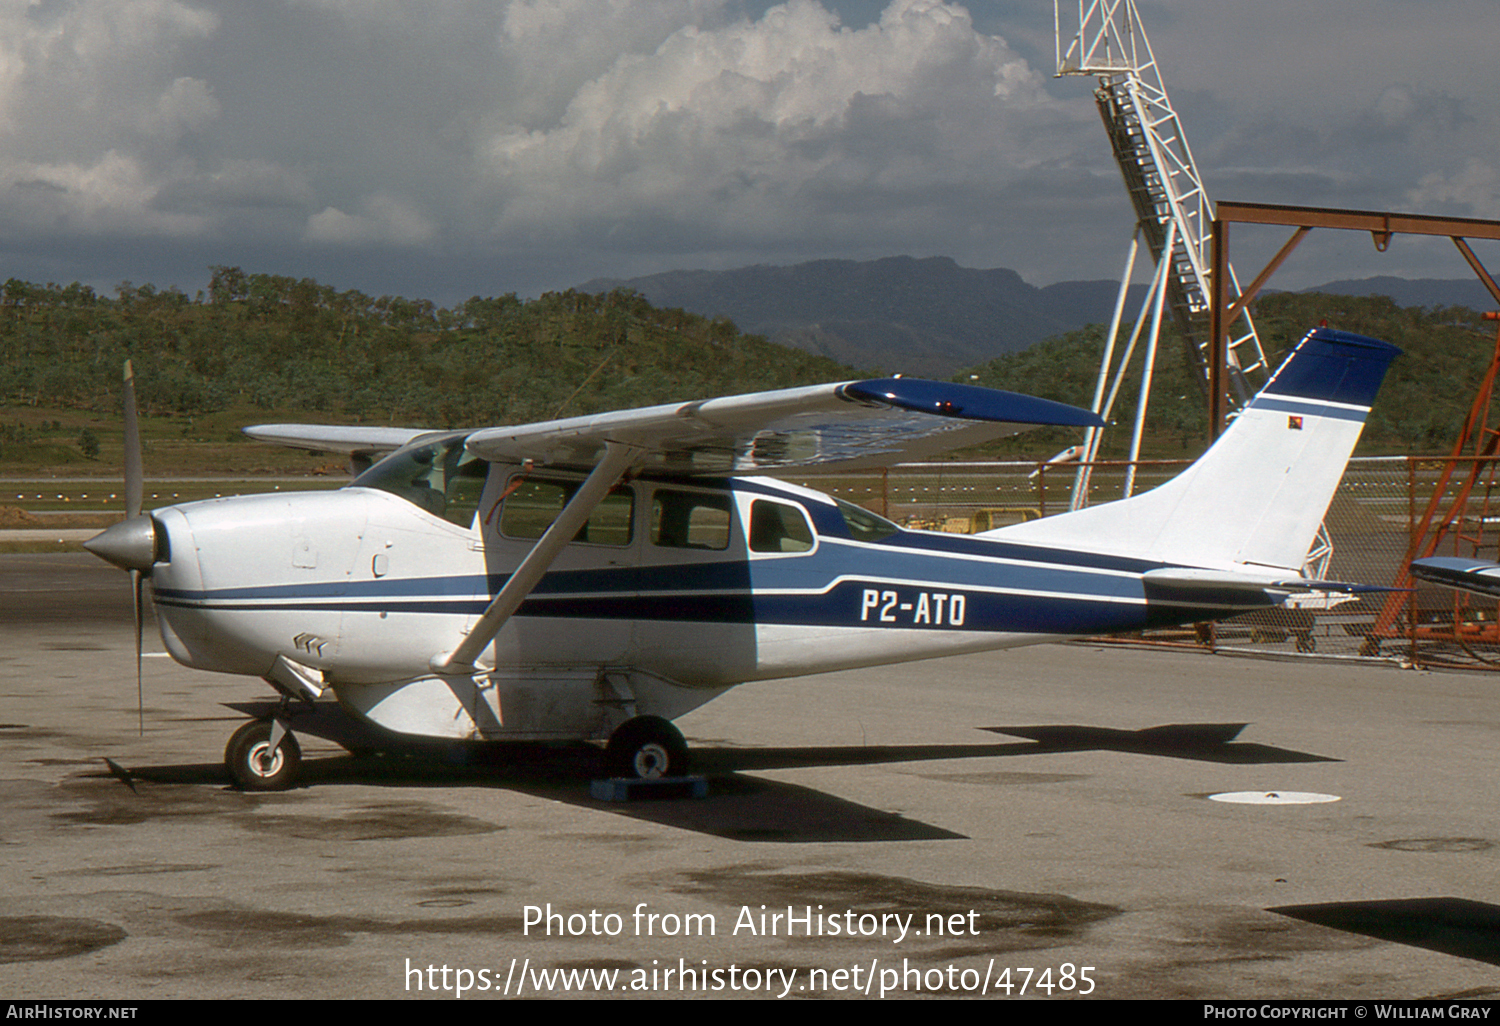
(973, 822)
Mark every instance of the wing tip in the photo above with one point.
(967, 402)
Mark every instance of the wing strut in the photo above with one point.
(618, 457)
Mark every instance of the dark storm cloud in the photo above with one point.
(452, 148)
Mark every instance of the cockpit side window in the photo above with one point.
(441, 477)
(778, 527)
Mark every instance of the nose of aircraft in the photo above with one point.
(132, 544)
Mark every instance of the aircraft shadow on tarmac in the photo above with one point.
(1202, 742)
(1452, 926)
(739, 805)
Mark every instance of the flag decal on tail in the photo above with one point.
(1294, 422)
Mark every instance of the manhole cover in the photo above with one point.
(1273, 797)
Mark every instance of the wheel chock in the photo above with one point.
(627, 789)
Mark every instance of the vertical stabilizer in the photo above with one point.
(1257, 496)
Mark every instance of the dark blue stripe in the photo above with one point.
(843, 606)
(1307, 409)
(998, 549)
(912, 557)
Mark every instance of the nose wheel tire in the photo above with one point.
(255, 766)
(647, 748)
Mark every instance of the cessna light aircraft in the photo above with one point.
(597, 577)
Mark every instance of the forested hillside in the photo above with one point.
(1419, 410)
(265, 342)
(257, 347)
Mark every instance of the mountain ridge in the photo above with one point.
(928, 315)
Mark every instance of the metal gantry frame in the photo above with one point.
(1381, 224)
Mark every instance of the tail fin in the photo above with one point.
(1257, 496)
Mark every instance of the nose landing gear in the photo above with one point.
(263, 756)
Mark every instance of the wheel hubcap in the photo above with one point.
(263, 761)
(651, 762)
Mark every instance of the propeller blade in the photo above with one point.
(134, 477)
(137, 582)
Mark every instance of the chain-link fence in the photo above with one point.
(1370, 526)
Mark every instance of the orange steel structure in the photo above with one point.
(1475, 453)
(1470, 619)
(1380, 224)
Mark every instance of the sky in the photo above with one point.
(450, 149)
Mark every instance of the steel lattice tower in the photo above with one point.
(1172, 208)
(1173, 215)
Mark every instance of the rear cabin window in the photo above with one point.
(777, 527)
(863, 525)
(689, 520)
(531, 508)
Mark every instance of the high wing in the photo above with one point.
(849, 425)
(363, 445)
(354, 441)
(853, 425)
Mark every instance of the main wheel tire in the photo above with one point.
(647, 748)
(254, 766)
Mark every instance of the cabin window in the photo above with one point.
(777, 527)
(531, 508)
(441, 477)
(863, 525)
(689, 520)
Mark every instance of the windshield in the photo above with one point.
(440, 476)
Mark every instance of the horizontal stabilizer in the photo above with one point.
(1227, 580)
(853, 424)
(1476, 575)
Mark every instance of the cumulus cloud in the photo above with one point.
(74, 73)
(91, 112)
(550, 49)
(788, 125)
(1471, 191)
(578, 138)
(185, 106)
(113, 194)
(384, 219)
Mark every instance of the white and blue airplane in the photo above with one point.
(597, 577)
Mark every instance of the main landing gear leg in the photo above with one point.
(263, 756)
(647, 748)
